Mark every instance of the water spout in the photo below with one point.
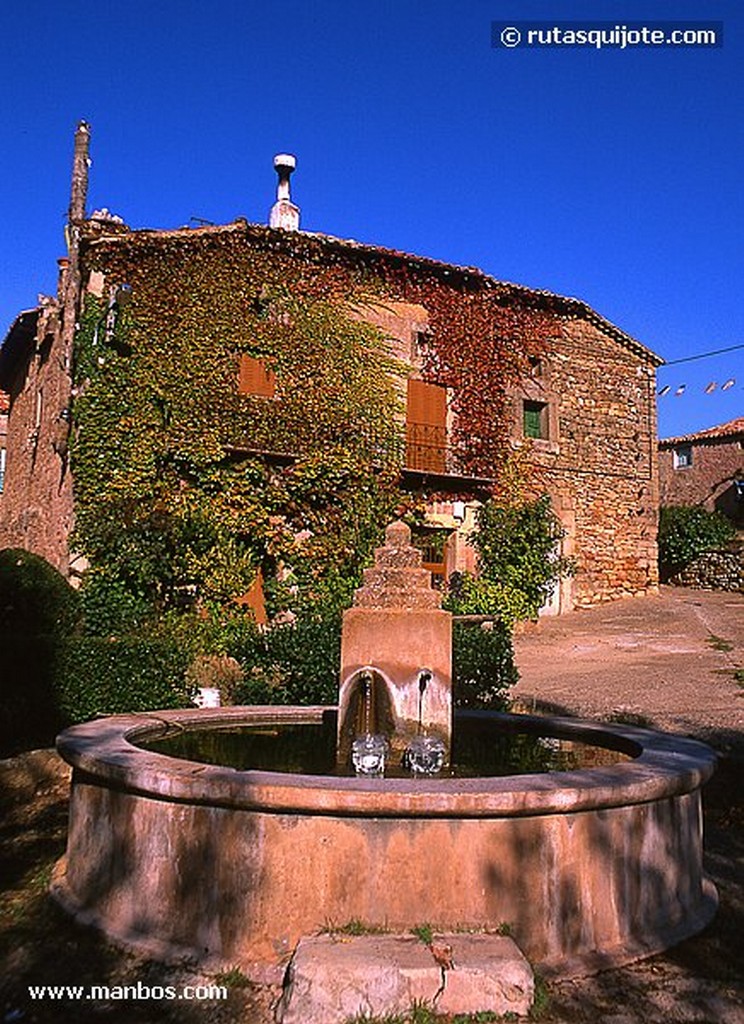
(424, 755)
(369, 746)
(423, 682)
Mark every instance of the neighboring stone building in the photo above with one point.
(705, 468)
(578, 391)
(4, 406)
(36, 503)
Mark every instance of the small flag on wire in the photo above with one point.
(665, 390)
(729, 384)
(711, 387)
(680, 390)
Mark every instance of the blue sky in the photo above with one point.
(612, 176)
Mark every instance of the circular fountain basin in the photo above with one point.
(587, 868)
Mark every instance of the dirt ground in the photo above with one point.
(672, 661)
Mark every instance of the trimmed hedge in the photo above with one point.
(98, 676)
(55, 674)
(34, 597)
(300, 664)
(295, 663)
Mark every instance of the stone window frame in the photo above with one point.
(682, 456)
(550, 441)
(537, 388)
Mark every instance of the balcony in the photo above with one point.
(426, 461)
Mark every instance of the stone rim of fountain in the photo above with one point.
(663, 766)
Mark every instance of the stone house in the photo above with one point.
(4, 406)
(490, 367)
(705, 468)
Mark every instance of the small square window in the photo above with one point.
(256, 377)
(683, 456)
(420, 342)
(535, 419)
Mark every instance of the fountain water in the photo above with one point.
(589, 867)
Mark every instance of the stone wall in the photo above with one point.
(714, 570)
(36, 505)
(598, 461)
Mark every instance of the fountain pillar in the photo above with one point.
(398, 631)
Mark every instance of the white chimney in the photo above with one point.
(284, 214)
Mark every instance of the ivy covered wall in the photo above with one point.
(184, 486)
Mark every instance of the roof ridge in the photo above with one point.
(570, 306)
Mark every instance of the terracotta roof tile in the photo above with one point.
(732, 429)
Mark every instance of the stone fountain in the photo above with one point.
(396, 661)
(589, 867)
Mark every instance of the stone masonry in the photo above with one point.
(598, 460)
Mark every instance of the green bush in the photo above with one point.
(29, 714)
(38, 611)
(300, 663)
(35, 599)
(99, 676)
(292, 663)
(483, 666)
(518, 557)
(686, 531)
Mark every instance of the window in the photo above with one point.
(256, 377)
(426, 427)
(432, 544)
(2, 469)
(420, 342)
(683, 456)
(535, 419)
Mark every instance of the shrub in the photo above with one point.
(35, 599)
(292, 663)
(686, 531)
(38, 610)
(518, 555)
(101, 676)
(483, 666)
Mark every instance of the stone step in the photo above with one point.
(333, 978)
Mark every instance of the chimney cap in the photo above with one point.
(285, 161)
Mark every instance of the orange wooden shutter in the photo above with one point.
(426, 426)
(253, 600)
(256, 377)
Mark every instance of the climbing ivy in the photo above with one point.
(175, 495)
